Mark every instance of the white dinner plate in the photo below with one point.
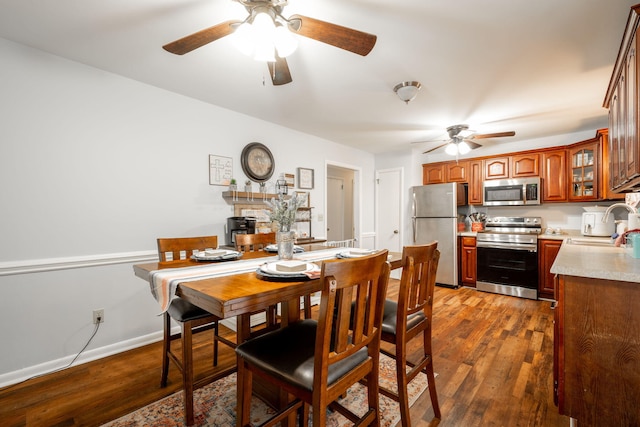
(270, 268)
(274, 248)
(217, 255)
(355, 253)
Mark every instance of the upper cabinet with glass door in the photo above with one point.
(583, 170)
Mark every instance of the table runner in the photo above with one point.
(164, 283)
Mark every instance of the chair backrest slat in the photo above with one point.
(183, 247)
(254, 242)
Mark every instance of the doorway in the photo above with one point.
(341, 208)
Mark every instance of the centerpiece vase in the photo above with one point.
(285, 241)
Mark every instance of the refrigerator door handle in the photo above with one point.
(415, 230)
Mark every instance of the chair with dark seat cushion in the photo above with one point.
(190, 318)
(316, 361)
(410, 317)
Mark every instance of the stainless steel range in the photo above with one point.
(508, 256)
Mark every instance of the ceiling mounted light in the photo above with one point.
(407, 91)
(262, 35)
(457, 146)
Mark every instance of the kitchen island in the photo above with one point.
(597, 334)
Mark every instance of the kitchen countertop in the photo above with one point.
(596, 262)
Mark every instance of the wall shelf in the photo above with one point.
(244, 196)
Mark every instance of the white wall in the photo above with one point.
(94, 167)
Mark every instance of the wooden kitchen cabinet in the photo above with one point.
(496, 168)
(553, 164)
(606, 190)
(433, 173)
(525, 165)
(468, 261)
(547, 252)
(554, 170)
(584, 159)
(457, 171)
(596, 351)
(475, 190)
(622, 101)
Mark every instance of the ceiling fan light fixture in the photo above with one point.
(285, 41)
(264, 52)
(463, 147)
(260, 37)
(451, 149)
(407, 91)
(243, 39)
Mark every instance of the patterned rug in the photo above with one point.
(215, 404)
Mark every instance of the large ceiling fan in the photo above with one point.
(461, 139)
(335, 35)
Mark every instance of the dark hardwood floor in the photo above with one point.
(493, 355)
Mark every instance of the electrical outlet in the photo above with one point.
(98, 316)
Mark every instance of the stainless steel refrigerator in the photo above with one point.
(434, 215)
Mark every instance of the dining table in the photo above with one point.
(236, 288)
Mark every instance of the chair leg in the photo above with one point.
(307, 306)
(373, 396)
(401, 375)
(432, 391)
(244, 393)
(187, 372)
(215, 343)
(166, 347)
(430, 374)
(304, 415)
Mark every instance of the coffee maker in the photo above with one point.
(238, 225)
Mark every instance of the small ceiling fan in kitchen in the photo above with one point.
(268, 36)
(461, 139)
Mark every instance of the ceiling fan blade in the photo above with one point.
(342, 37)
(492, 135)
(471, 144)
(201, 38)
(279, 72)
(434, 149)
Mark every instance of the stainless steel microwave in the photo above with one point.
(512, 192)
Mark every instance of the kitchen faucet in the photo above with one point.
(633, 217)
(631, 210)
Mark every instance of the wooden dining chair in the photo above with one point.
(254, 242)
(258, 242)
(316, 361)
(408, 318)
(191, 319)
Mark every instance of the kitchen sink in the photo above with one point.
(591, 241)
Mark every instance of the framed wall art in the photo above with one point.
(290, 179)
(220, 170)
(304, 197)
(305, 178)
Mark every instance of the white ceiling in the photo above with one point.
(539, 68)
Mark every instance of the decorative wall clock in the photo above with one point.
(257, 162)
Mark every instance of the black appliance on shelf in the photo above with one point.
(238, 225)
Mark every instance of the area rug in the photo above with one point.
(215, 404)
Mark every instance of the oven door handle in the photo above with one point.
(515, 246)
